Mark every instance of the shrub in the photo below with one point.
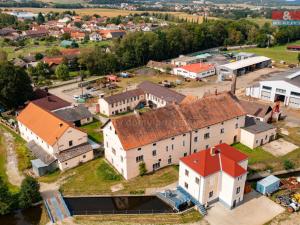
(142, 169)
(288, 165)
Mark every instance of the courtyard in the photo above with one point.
(255, 210)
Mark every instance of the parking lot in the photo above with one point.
(256, 210)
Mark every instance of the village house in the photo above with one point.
(259, 111)
(147, 93)
(53, 62)
(215, 174)
(35, 33)
(161, 137)
(195, 71)
(54, 142)
(77, 35)
(110, 34)
(95, 37)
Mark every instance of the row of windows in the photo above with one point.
(125, 101)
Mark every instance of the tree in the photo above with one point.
(3, 56)
(15, 86)
(66, 36)
(38, 56)
(142, 169)
(40, 18)
(5, 198)
(29, 192)
(62, 72)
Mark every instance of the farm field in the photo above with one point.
(111, 12)
(276, 53)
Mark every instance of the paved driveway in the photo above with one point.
(256, 210)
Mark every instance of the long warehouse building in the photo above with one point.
(243, 66)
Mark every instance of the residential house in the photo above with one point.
(95, 37)
(53, 62)
(162, 136)
(215, 174)
(77, 35)
(55, 142)
(195, 71)
(109, 34)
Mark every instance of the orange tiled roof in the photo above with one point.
(53, 60)
(197, 67)
(43, 123)
(139, 130)
(70, 51)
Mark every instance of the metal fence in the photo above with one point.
(98, 212)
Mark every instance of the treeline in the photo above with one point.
(110, 2)
(68, 5)
(7, 20)
(137, 48)
(29, 4)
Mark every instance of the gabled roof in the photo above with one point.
(43, 123)
(166, 94)
(51, 102)
(197, 67)
(142, 129)
(204, 163)
(73, 114)
(255, 109)
(53, 60)
(124, 96)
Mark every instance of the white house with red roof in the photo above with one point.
(215, 174)
(196, 70)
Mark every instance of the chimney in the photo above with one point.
(233, 84)
(60, 124)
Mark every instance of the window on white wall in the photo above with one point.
(238, 190)
(186, 172)
(186, 185)
(211, 194)
(197, 180)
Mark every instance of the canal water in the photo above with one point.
(31, 216)
(117, 204)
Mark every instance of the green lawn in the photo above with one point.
(276, 53)
(94, 131)
(260, 160)
(97, 177)
(190, 217)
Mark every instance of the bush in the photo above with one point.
(142, 169)
(29, 192)
(288, 165)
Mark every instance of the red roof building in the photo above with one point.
(195, 70)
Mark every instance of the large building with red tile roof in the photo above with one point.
(162, 136)
(196, 70)
(217, 173)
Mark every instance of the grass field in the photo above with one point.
(97, 177)
(276, 53)
(111, 12)
(93, 130)
(186, 218)
(260, 160)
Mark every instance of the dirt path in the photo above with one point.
(12, 171)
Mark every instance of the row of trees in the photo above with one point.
(28, 194)
(137, 48)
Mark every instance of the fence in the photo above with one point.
(98, 212)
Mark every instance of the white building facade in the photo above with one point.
(209, 176)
